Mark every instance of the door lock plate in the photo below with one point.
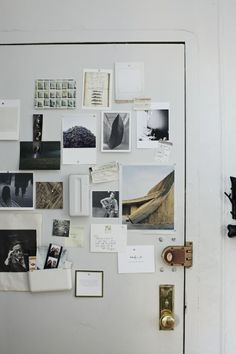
(166, 312)
(179, 255)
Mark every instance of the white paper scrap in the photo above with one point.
(163, 151)
(76, 236)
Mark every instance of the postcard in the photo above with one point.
(16, 190)
(152, 125)
(108, 238)
(79, 138)
(148, 197)
(129, 81)
(105, 173)
(137, 259)
(9, 119)
(42, 155)
(97, 85)
(116, 132)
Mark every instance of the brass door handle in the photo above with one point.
(166, 310)
(167, 320)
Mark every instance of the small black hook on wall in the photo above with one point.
(232, 196)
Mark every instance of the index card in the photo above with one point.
(129, 80)
(105, 173)
(108, 238)
(137, 259)
(9, 119)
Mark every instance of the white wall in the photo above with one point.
(211, 25)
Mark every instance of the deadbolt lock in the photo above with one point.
(166, 314)
(179, 255)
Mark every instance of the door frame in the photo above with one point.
(193, 333)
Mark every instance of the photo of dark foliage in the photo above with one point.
(44, 155)
(79, 137)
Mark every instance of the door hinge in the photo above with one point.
(179, 255)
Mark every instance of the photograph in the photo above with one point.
(116, 132)
(49, 195)
(89, 283)
(79, 138)
(16, 190)
(55, 94)
(40, 155)
(152, 126)
(97, 89)
(53, 256)
(16, 246)
(148, 197)
(105, 204)
(37, 127)
(61, 228)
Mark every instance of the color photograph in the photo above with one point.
(148, 197)
(116, 132)
(44, 155)
(16, 190)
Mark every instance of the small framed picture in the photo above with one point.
(89, 283)
(116, 132)
(53, 256)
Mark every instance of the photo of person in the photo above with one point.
(16, 246)
(53, 256)
(105, 204)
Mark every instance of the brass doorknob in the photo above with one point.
(167, 320)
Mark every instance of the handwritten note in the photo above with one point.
(105, 173)
(108, 238)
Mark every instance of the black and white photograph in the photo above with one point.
(79, 138)
(153, 126)
(105, 204)
(16, 246)
(44, 155)
(55, 94)
(49, 195)
(116, 132)
(148, 197)
(61, 228)
(16, 190)
(37, 127)
(53, 256)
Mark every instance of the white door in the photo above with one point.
(126, 319)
